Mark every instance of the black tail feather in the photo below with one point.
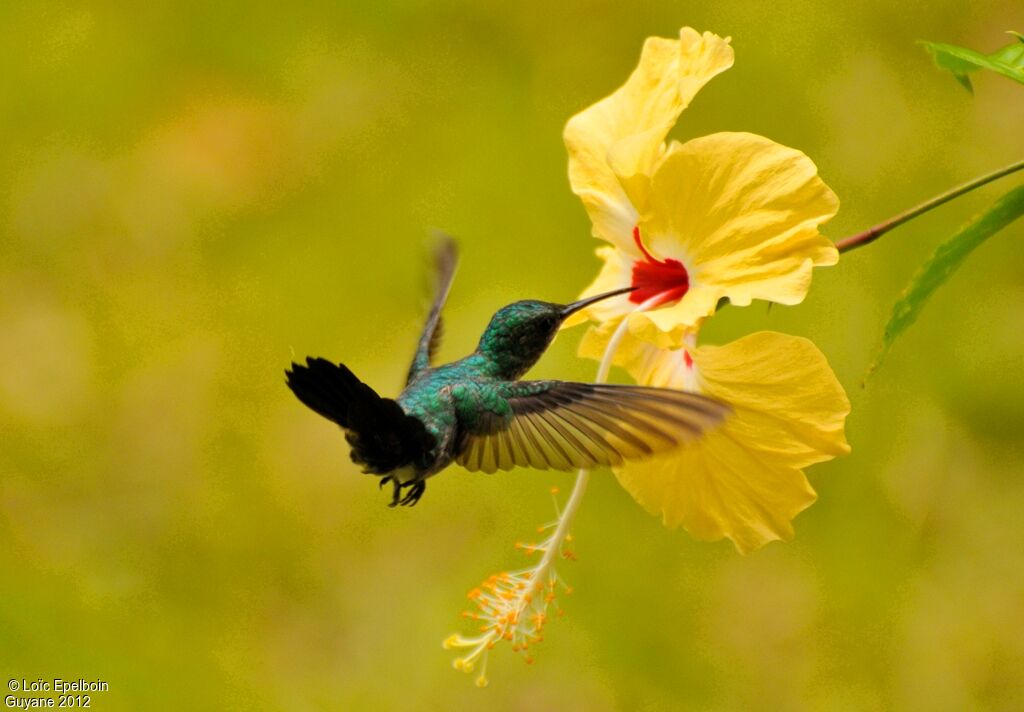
(383, 437)
(328, 389)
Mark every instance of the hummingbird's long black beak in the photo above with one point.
(570, 309)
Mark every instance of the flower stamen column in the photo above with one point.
(512, 606)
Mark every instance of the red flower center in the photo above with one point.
(652, 277)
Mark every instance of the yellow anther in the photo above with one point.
(512, 606)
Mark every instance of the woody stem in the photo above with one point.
(871, 234)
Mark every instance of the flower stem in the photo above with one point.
(870, 235)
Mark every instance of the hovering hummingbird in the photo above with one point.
(477, 413)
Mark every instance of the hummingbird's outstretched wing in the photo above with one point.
(446, 259)
(383, 437)
(558, 425)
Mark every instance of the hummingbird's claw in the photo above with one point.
(396, 497)
(410, 498)
(383, 481)
(416, 491)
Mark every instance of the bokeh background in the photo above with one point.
(194, 194)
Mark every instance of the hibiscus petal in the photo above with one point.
(622, 134)
(743, 481)
(742, 212)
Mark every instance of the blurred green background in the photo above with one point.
(192, 196)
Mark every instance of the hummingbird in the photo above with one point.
(477, 413)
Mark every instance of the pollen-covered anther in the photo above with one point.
(513, 606)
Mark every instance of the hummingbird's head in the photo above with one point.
(519, 333)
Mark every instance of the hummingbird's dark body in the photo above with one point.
(476, 411)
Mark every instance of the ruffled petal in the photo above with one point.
(742, 213)
(622, 134)
(743, 481)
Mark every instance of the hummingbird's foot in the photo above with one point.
(383, 481)
(416, 491)
(411, 497)
(396, 497)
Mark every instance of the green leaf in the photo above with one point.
(960, 61)
(944, 262)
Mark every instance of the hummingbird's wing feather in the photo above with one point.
(446, 259)
(383, 437)
(559, 425)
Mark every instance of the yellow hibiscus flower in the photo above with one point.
(731, 215)
(744, 480)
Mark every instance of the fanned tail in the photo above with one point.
(383, 437)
